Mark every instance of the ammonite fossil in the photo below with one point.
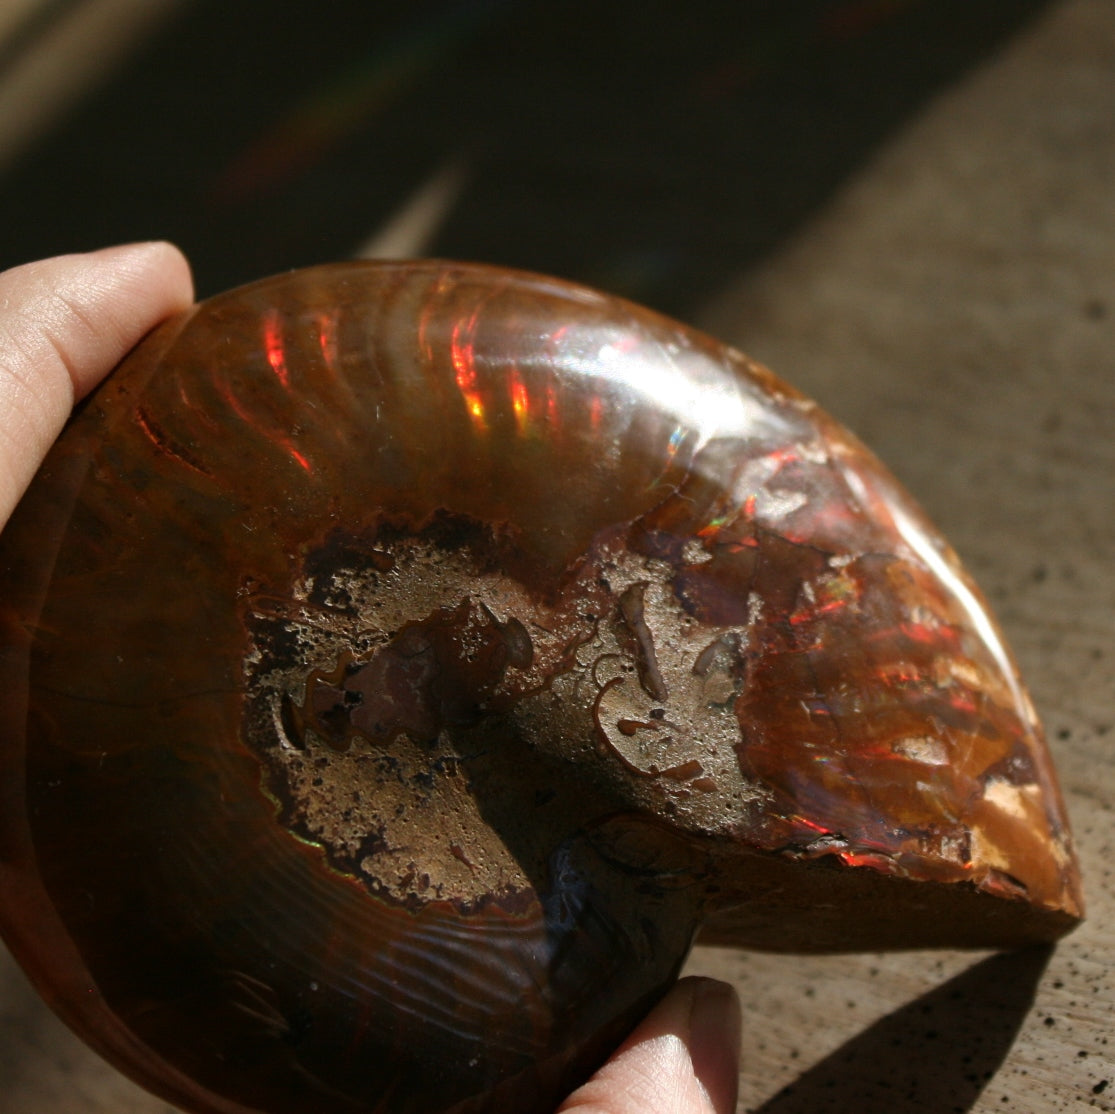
(402, 662)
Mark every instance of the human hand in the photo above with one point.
(682, 1059)
(65, 323)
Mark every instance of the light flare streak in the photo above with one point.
(327, 328)
(462, 356)
(274, 348)
(224, 389)
(520, 400)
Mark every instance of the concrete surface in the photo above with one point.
(955, 305)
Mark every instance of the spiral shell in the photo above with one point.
(404, 661)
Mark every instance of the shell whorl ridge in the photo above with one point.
(404, 661)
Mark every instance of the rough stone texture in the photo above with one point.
(954, 307)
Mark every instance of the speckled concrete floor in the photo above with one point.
(954, 305)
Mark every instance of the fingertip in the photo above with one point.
(682, 1059)
(110, 299)
(715, 1024)
(148, 262)
(64, 324)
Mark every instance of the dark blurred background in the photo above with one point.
(649, 147)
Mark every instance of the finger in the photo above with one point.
(683, 1059)
(64, 324)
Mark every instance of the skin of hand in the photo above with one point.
(65, 323)
(682, 1059)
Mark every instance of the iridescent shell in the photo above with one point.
(404, 661)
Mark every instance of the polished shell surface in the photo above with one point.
(404, 661)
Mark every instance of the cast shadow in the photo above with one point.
(647, 147)
(936, 1054)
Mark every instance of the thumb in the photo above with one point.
(64, 324)
(682, 1059)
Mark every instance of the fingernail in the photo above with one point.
(714, 1038)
